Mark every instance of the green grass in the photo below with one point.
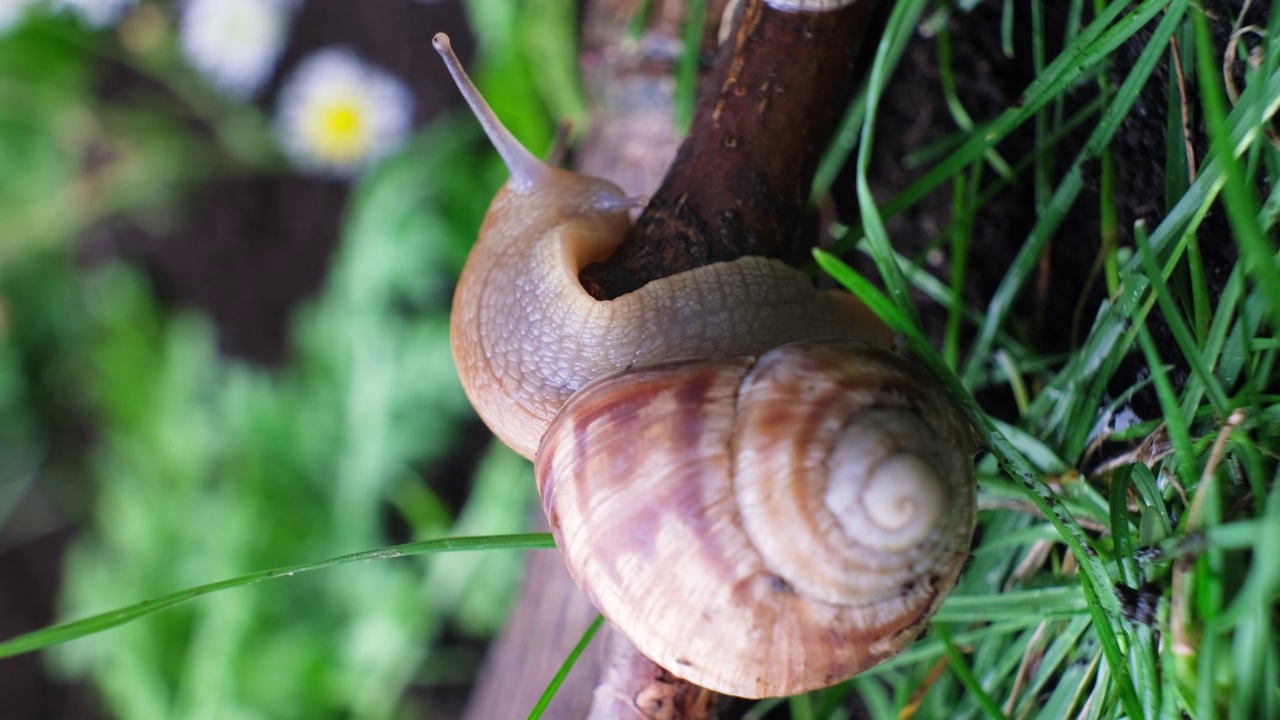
(1136, 671)
(98, 623)
(204, 468)
(549, 694)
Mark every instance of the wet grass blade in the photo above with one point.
(74, 630)
(563, 672)
(1096, 580)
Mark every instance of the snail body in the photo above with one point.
(758, 511)
(800, 512)
(526, 335)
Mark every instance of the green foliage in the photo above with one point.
(115, 618)
(1208, 509)
(202, 467)
(208, 467)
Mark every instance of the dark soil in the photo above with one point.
(254, 248)
(1055, 310)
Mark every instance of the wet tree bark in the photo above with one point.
(740, 183)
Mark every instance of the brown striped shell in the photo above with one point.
(763, 526)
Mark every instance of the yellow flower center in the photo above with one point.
(339, 133)
(342, 121)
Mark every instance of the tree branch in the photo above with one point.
(740, 182)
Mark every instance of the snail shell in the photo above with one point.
(763, 526)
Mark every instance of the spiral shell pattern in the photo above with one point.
(763, 526)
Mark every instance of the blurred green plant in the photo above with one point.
(206, 467)
(203, 467)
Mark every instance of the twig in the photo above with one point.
(1186, 111)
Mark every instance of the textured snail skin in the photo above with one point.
(526, 335)
(763, 526)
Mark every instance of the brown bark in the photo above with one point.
(739, 185)
(740, 182)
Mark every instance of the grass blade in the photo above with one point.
(74, 630)
(1241, 204)
(1087, 51)
(965, 675)
(563, 672)
(1096, 580)
(1064, 197)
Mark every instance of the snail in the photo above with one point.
(526, 335)
(740, 474)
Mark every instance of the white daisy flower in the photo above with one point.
(11, 12)
(338, 114)
(235, 43)
(98, 13)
